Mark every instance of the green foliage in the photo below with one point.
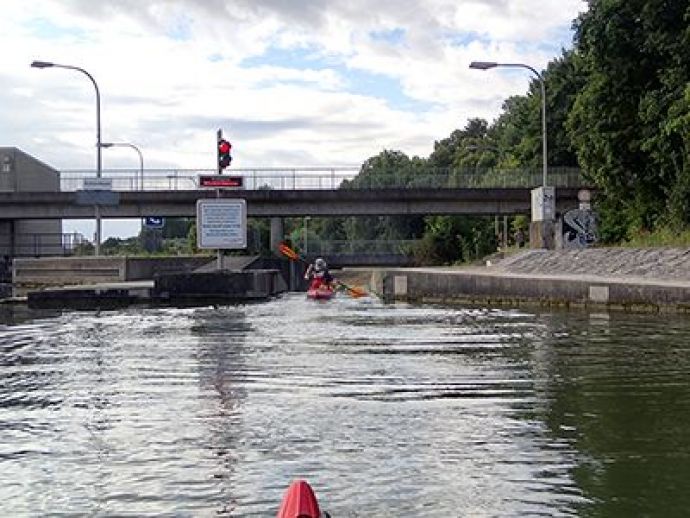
(117, 246)
(520, 222)
(191, 238)
(664, 236)
(258, 232)
(84, 248)
(177, 227)
(453, 239)
(387, 169)
(629, 123)
(564, 80)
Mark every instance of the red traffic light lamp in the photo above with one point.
(224, 158)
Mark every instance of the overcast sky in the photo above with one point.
(292, 83)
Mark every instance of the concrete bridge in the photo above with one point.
(27, 207)
(275, 203)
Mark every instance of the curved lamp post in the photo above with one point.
(99, 166)
(141, 166)
(486, 65)
(135, 148)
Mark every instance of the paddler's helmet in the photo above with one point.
(320, 265)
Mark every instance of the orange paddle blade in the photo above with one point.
(288, 252)
(355, 292)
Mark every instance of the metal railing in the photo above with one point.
(188, 179)
(41, 244)
(361, 247)
(330, 178)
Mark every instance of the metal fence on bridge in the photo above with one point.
(360, 247)
(36, 244)
(329, 178)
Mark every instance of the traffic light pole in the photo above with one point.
(219, 135)
(223, 148)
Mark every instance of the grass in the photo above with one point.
(660, 237)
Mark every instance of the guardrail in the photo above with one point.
(368, 247)
(328, 178)
(37, 244)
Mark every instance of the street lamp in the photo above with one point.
(486, 65)
(99, 167)
(135, 148)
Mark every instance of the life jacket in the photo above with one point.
(320, 278)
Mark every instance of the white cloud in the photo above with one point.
(284, 78)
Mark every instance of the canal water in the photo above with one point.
(388, 410)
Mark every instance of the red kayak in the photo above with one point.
(299, 502)
(322, 292)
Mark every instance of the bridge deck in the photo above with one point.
(279, 203)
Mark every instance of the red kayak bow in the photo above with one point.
(299, 502)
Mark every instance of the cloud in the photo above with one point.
(292, 82)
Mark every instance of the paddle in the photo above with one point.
(294, 256)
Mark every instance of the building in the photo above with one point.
(20, 172)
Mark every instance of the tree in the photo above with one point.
(629, 124)
(387, 169)
(177, 227)
(465, 149)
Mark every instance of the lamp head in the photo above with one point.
(483, 65)
(42, 64)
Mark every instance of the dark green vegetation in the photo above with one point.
(177, 237)
(630, 120)
(618, 107)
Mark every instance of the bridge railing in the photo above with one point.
(330, 178)
(188, 179)
(38, 244)
(361, 247)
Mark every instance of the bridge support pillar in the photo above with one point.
(277, 233)
(542, 234)
(541, 229)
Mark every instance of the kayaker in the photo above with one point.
(318, 274)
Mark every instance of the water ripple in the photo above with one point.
(389, 410)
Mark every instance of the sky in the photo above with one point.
(291, 83)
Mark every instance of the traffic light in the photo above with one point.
(224, 157)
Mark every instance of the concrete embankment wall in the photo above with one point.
(57, 271)
(419, 285)
(176, 289)
(652, 280)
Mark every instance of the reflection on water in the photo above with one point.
(389, 410)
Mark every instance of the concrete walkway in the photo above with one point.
(629, 279)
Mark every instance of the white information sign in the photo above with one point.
(98, 184)
(221, 223)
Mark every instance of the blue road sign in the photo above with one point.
(154, 222)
